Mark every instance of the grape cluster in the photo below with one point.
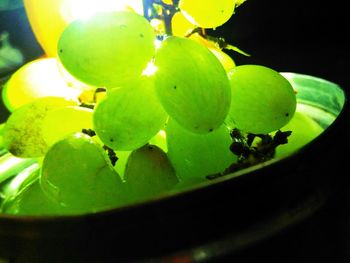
(155, 112)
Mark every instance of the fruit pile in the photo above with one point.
(128, 112)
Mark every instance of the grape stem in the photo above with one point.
(250, 154)
(151, 11)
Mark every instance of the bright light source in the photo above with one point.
(83, 9)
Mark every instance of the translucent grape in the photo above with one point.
(149, 172)
(158, 140)
(198, 155)
(31, 200)
(180, 26)
(227, 62)
(192, 85)
(36, 79)
(207, 13)
(129, 117)
(108, 49)
(61, 122)
(22, 135)
(304, 130)
(77, 174)
(262, 99)
(214, 47)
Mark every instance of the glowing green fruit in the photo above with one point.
(77, 174)
(107, 49)
(192, 85)
(130, 116)
(22, 135)
(262, 99)
(207, 13)
(304, 130)
(31, 200)
(149, 173)
(61, 122)
(36, 79)
(198, 155)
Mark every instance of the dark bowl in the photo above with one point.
(228, 215)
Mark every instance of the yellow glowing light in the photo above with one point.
(81, 9)
(49, 18)
(38, 78)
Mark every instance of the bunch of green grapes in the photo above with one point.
(163, 118)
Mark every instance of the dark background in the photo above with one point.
(306, 37)
(300, 36)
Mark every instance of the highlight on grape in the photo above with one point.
(132, 107)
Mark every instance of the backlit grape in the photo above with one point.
(61, 122)
(207, 13)
(198, 155)
(262, 99)
(77, 173)
(149, 173)
(130, 116)
(36, 79)
(108, 49)
(22, 135)
(192, 85)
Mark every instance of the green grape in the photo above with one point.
(207, 13)
(63, 121)
(108, 49)
(262, 99)
(22, 135)
(30, 201)
(304, 130)
(36, 79)
(191, 84)
(198, 155)
(77, 174)
(149, 173)
(158, 140)
(130, 116)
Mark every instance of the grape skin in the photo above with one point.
(149, 173)
(304, 130)
(192, 84)
(61, 122)
(77, 173)
(104, 51)
(207, 13)
(23, 130)
(262, 99)
(128, 117)
(31, 200)
(198, 155)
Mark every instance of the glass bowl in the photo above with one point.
(207, 220)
